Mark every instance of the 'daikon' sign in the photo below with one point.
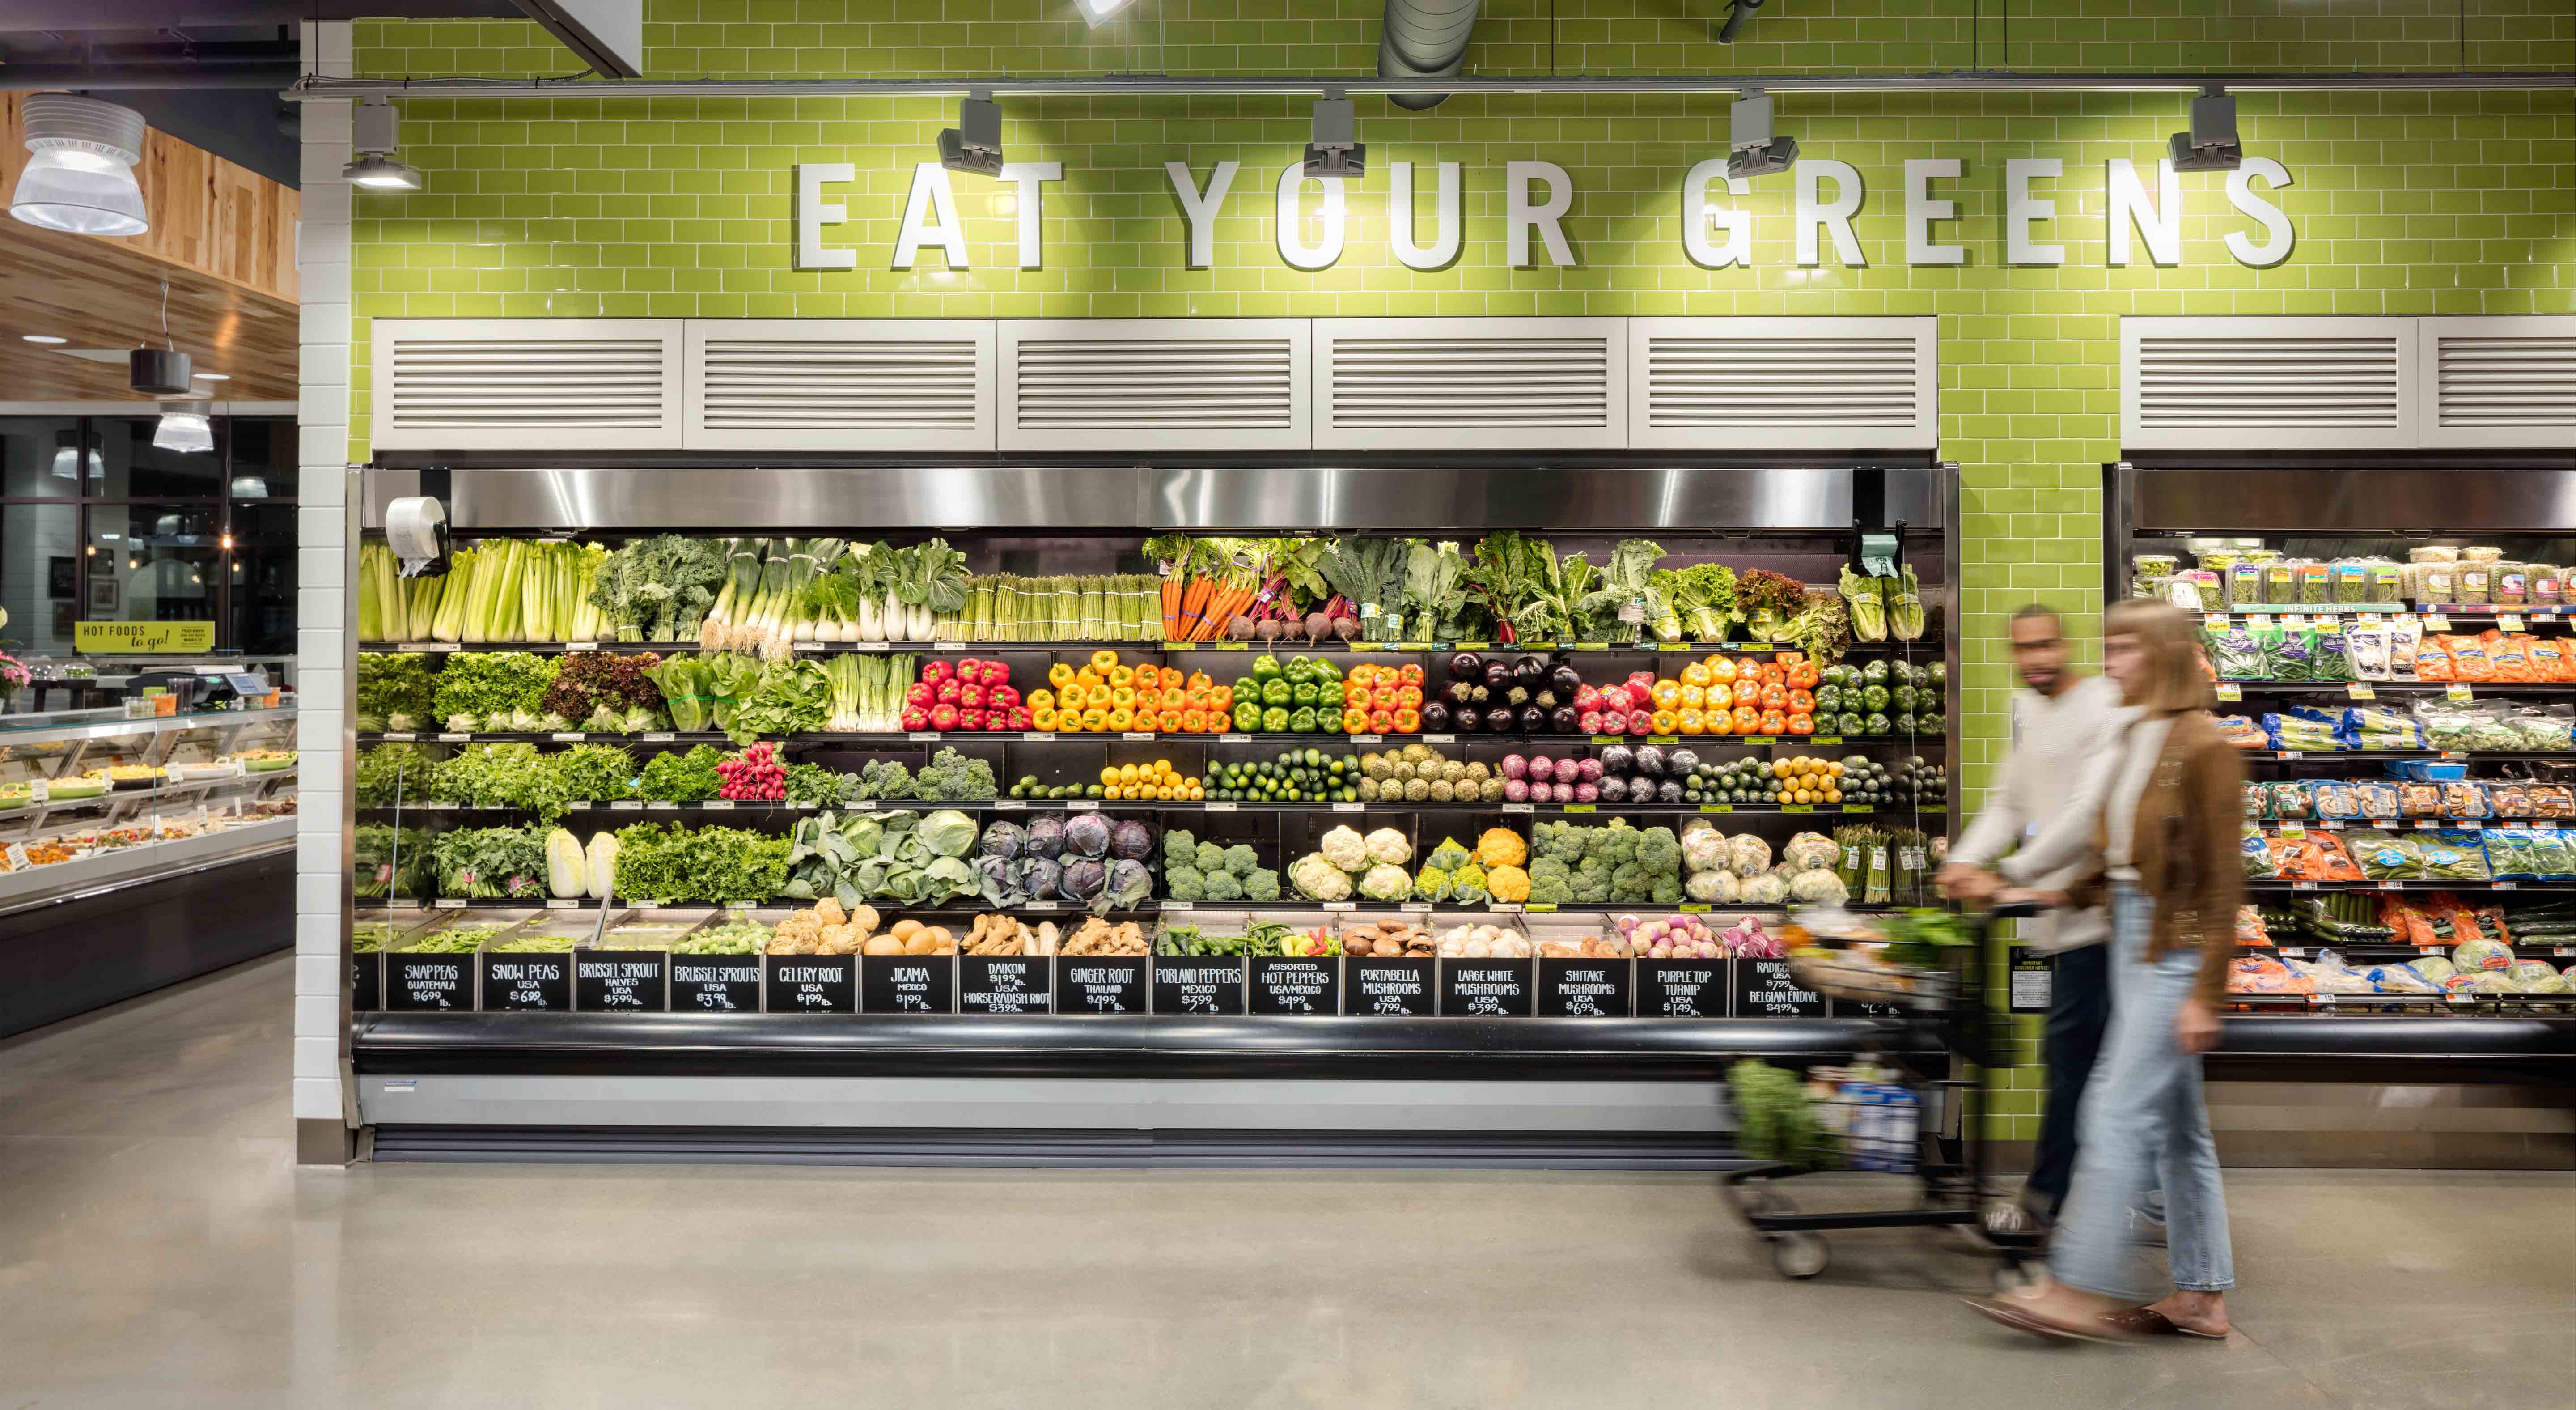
(1312, 226)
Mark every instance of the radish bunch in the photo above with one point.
(753, 776)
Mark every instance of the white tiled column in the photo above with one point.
(322, 641)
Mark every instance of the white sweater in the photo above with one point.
(2057, 743)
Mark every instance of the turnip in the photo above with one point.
(1515, 767)
(1516, 790)
(1541, 767)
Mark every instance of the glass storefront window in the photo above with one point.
(262, 564)
(131, 467)
(40, 457)
(262, 456)
(153, 563)
(40, 552)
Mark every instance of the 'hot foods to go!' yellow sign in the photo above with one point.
(112, 637)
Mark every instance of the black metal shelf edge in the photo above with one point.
(2341, 687)
(1041, 1046)
(878, 738)
(1005, 805)
(1926, 647)
(1458, 914)
(2300, 888)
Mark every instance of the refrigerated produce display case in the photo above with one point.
(1062, 798)
(138, 850)
(2393, 655)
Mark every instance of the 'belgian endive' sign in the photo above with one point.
(1312, 226)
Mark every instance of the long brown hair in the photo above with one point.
(2175, 680)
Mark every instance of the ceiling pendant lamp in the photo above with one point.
(79, 175)
(184, 427)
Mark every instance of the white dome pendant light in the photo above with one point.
(80, 172)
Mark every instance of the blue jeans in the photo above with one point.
(2145, 1097)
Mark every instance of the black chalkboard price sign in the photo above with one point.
(620, 981)
(1296, 986)
(1003, 984)
(1100, 984)
(908, 984)
(1583, 988)
(428, 983)
(367, 981)
(530, 982)
(1681, 988)
(1184, 985)
(811, 983)
(1486, 989)
(715, 983)
(1766, 989)
(1394, 988)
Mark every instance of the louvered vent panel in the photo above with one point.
(1455, 383)
(1154, 384)
(2505, 382)
(754, 384)
(1837, 384)
(596, 382)
(525, 383)
(2269, 384)
(1746, 384)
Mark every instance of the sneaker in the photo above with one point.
(2146, 1227)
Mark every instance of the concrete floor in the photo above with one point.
(158, 1248)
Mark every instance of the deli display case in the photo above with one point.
(1427, 801)
(140, 846)
(2393, 654)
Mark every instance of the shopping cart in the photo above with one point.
(1924, 1120)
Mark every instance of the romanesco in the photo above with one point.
(1431, 884)
(1467, 885)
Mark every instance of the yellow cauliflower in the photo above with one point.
(1507, 883)
(1501, 847)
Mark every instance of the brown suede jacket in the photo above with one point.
(2184, 843)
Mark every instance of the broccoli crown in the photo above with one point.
(1629, 881)
(1668, 891)
(1551, 881)
(1184, 884)
(1591, 887)
(1179, 847)
(1262, 886)
(1616, 845)
(1561, 840)
(952, 777)
(1659, 851)
(1242, 860)
(1224, 886)
(1211, 858)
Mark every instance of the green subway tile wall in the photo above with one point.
(2404, 203)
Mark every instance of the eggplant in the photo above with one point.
(1564, 680)
(1435, 717)
(1478, 695)
(1467, 718)
(1500, 719)
(1618, 759)
(1530, 671)
(1459, 692)
(1498, 675)
(1563, 719)
(1546, 700)
(1533, 720)
(1650, 760)
(1465, 666)
(1614, 789)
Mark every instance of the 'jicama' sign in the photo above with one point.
(1312, 227)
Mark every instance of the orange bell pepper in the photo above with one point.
(1381, 697)
(1359, 676)
(1748, 691)
(1174, 698)
(1747, 720)
(1801, 723)
(1773, 673)
(1802, 702)
(1408, 697)
(1774, 697)
(1410, 673)
(1354, 721)
(1168, 721)
(1804, 675)
(1193, 722)
(1201, 682)
(1772, 722)
(1407, 722)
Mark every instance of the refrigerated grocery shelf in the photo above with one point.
(1073, 805)
(1277, 648)
(116, 724)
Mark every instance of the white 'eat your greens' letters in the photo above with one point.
(1311, 228)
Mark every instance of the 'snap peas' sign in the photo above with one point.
(1717, 231)
(112, 638)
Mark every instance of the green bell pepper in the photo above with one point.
(1247, 691)
(1304, 693)
(1247, 716)
(1300, 668)
(1274, 691)
(1264, 666)
(1302, 720)
(1275, 719)
(1328, 693)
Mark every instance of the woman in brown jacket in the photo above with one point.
(2164, 811)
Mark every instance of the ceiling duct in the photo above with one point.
(1424, 39)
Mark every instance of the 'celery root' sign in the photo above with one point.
(1311, 226)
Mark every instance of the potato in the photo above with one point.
(882, 945)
